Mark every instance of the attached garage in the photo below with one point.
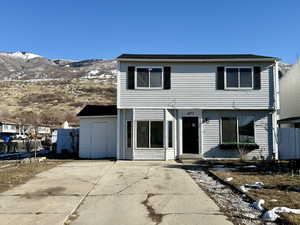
(98, 132)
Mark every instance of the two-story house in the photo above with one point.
(208, 105)
(171, 106)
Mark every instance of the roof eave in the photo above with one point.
(197, 60)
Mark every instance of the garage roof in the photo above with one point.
(98, 110)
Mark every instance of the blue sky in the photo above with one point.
(105, 29)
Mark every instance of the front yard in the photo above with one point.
(279, 189)
(16, 173)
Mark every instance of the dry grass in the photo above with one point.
(62, 96)
(17, 173)
(277, 186)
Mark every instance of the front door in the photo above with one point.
(190, 137)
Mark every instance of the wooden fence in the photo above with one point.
(289, 143)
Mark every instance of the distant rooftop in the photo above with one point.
(195, 57)
(98, 110)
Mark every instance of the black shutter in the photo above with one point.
(220, 78)
(130, 77)
(167, 77)
(257, 75)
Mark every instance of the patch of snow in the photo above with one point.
(22, 55)
(229, 179)
(258, 204)
(93, 72)
(272, 215)
(250, 167)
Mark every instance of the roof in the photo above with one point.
(290, 119)
(195, 57)
(98, 110)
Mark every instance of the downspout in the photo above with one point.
(166, 135)
(275, 113)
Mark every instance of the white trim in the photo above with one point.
(239, 78)
(149, 88)
(201, 108)
(118, 134)
(91, 117)
(133, 134)
(197, 60)
(118, 84)
(165, 134)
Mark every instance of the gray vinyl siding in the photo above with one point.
(125, 153)
(194, 85)
(149, 114)
(212, 134)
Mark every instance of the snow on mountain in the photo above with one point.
(22, 55)
(28, 66)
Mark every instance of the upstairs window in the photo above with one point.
(238, 78)
(149, 78)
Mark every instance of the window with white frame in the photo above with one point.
(150, 134)
(149, 77)
(238, 77)
(238, 129)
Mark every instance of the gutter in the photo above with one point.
(196, 60)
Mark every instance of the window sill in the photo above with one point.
(235, 146)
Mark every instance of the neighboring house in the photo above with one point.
(43, 130)
(290, 97)
(172, 106)
(7, 128)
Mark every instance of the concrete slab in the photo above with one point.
(109, 193)
(51, 196)
(148, 193)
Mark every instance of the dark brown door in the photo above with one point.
(190, 137)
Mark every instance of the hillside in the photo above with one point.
(53, 90)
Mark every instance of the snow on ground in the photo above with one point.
(233, 204)
(93, 72)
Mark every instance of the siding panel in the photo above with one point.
(211, 135)
(194, 85)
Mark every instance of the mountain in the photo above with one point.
(25, 66)
(53, 89)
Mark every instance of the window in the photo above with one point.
(239, 78)
(246, 129)
(157, 134)
(149, 77)
(229, 129)
(142, 134)
(170, 134)
(238, 129)
(150, 134)
(129, 134)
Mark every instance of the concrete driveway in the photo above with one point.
(110, 193)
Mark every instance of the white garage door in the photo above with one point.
(98, 142)
(98, 138)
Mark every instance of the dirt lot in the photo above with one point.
(16, 173)
(280, 189)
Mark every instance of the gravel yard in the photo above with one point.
(235, 206)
